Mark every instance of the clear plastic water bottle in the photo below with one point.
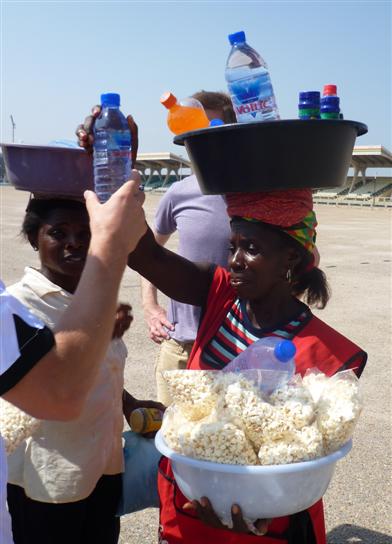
(112, 145)
(269, 362)
(249, 82)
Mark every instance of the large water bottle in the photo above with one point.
(268, 362)
(112, 144)
(249, 82)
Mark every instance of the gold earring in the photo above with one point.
(288, 276)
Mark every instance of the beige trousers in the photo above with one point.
(173, 355)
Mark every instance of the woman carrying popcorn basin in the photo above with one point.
(272, 267)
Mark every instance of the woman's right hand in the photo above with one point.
(208, 516)
(84, 132)
(158, 323)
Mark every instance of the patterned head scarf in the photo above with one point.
(290, 210)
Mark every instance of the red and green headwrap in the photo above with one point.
(290, 210)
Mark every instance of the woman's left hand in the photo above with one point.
(130, 404)
(123, 320)
(207, 515)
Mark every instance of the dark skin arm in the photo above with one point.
(178, 278)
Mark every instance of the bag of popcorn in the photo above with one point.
(338, 409)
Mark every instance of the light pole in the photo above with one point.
(13, 128)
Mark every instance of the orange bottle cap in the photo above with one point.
(168, 100)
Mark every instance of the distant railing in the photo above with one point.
(357, 200)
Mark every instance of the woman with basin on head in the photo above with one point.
(272, 269)
(65, 480)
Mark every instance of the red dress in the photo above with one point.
(316, 341)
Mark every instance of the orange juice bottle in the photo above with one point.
(184, 115)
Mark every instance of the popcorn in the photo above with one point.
(315, 381)
(220, 442)
(224, 417)
(339, 408)
(263, 422)
(234, 393)
(15, 425)
(296, 404)
(193, 391)
(297, 445)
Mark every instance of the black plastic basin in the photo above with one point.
(272, 155)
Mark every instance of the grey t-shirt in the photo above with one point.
(204, 232)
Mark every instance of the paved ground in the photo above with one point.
(356, 255)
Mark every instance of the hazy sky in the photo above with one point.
(57, 57)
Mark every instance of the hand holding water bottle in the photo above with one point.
(85, 132)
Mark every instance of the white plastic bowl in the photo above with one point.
(263, 492)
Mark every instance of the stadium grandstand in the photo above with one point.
(361, 189)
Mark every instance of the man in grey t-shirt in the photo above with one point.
(204, 232)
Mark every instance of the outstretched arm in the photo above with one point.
(175, 276)
(57, 386)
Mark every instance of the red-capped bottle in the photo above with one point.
(330, 103)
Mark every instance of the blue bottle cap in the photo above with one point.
(331, 102)
(216, 122)
(237, 37)
(285, 350)
(110, 99)
(311, 96)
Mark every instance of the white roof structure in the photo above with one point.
(161, 165)
(372, 156)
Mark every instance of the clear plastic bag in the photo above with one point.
(338, 409)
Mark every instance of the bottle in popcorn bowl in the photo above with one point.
(268, 362)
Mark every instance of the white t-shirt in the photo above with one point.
(24, 341)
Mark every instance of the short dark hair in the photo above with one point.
(211, 100)
(38, 210)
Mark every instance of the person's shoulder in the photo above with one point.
(32, 286)
(185, 186)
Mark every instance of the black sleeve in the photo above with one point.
(33, 345)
